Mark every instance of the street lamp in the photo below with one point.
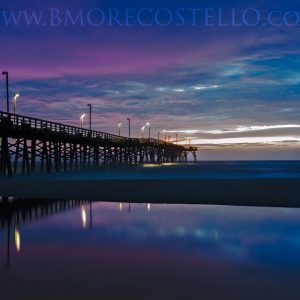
(128, 119)
(90, 107)
(16, 96)
(143, 131)
(158, 134)
(148, 124)
(165, 132)
(81, 120)
(7, 93)
(119, 127)
(176, 138)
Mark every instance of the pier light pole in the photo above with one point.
(119, 127)
(158, 134)
(176, 138)
(164, 131)
(128, 119)
(90, 107)
(16, 96)
(148, 124)
(143, 131)
(7, 92)
(81, 120)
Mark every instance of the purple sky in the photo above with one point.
(233, 90)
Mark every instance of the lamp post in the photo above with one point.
(158, 134)
(176, 138)
(119, 127)
(7, 93)
(81, 120)
(165, 132)
(128, 119)
(148, 124)
(16, 96)
(90, 107)
(143, 131)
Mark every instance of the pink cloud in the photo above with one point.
(34, 58)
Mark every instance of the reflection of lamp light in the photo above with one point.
(149, 206)
(83, 216)
(17, 240)
(120, 206)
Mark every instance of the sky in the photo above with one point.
(221, 74)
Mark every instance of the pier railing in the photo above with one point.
(20, 122)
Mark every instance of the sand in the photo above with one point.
(188, 186)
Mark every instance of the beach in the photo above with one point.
(226, 229)
(220, 183)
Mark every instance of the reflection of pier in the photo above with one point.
(16, 212)
(27, 141)
(27, 210)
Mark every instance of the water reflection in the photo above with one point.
(91, 216)
(16, 212)
(170, 253)
(17, 240)
(83, 216)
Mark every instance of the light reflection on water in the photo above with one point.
(148, 251)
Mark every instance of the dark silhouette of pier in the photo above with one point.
(16, 212)
(29, 144)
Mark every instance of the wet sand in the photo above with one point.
(227, 183)
(245, 192)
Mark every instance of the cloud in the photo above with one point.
(222, 82)
(205, 87)
(239, 129)
(246, 140)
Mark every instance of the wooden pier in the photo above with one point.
(29, 145)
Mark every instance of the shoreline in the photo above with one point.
(267, 192)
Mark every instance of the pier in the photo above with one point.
(29, 145)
